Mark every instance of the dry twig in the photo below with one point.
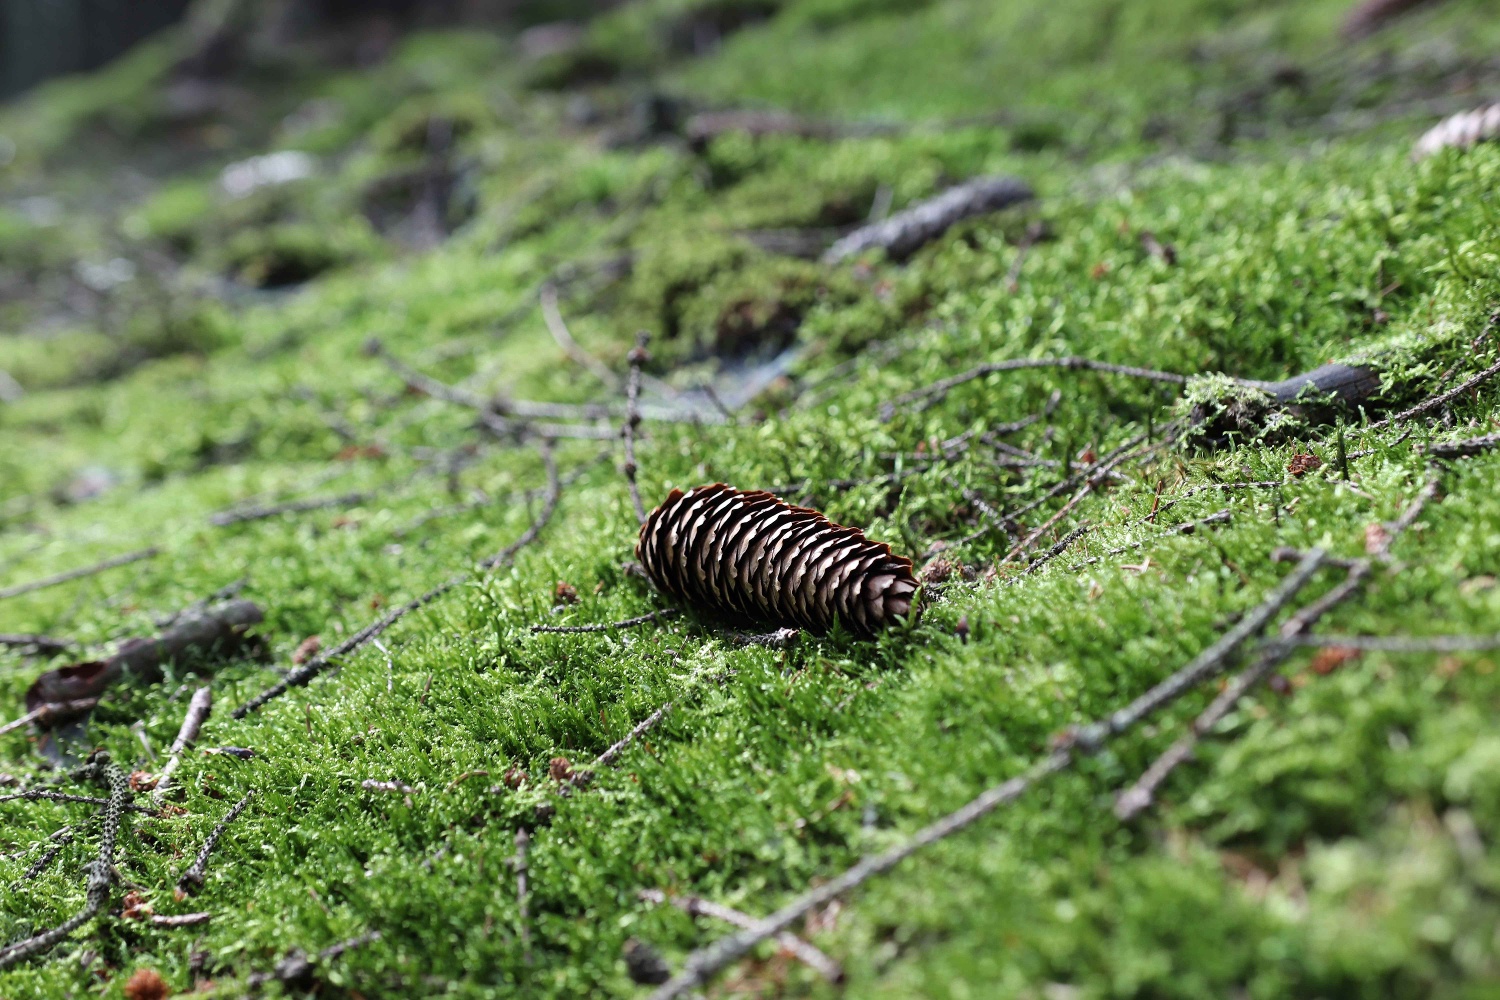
(304, 674)
(790, 943)
(704, 963)
(192, 879)
(77, 574)
(558, 327)
(197, 713)
(638, 357)
(1442, 399)
(654, 616)
(36, 643)
(930, 394)
(523, 839)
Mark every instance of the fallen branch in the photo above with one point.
(192, 879)
(197, 713)
(304, 674)
(36, 643)
(904, 233)
(78, 574)
(101, 871)
(654, 616)
(790, 943)
(704, 963)
(181, 919)
(47, 795)
(930, 394)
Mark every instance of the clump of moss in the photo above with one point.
(1220, 411)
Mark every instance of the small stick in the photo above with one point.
(101, 871)
(192, 879)
(705, 962)
(76, 574)
(36, 643)
(1442, 399)
(224, 518)
(197, 713)
(927, 395)
(558, 327)
(46, 714)
(63, 838)
(1057, 550)
(181, 919)
(661, 615)
(790, 943)
(638, 357)
(41, 794)
(607, 758)
(304, 674)
(1034, 234)
(1461, 449)
(1218, 517)
(519, 862)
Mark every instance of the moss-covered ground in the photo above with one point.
(183, 351)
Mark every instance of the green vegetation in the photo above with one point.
(183, 351)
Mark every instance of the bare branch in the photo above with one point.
(928, 395)
(78, 574)
(654, 616)
(197, 713)
(558, 327)
(192, 879)
(789, 942)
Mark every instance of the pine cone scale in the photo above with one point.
(751, 556)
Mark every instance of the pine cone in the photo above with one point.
(751, 556)
(1462, 130)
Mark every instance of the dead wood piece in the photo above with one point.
(192, 880)
(181, 919)
(904, 233)
(704, 963)
(751, 556)
(1460, 131)
(197, 713)
(225, 518)
(1344, 382)
(47, 795)
(1402, 643)
(220, 631)
(304, 674)
(78, 574)
(51, 713)
(101, 871)
(654, 616)
(790, 943)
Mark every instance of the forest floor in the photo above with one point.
(319, 381)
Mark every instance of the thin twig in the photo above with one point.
(558, 327)
(927, 395)
(638, 357)
(181, 919)
(608, 757)
(46, 714)
(224, 518)
(654, 616)
(304, 674)
(1058, 549)
(1217, 517)
(43, 794)
(702, 964)
(36, 643)
(193, 878)
(1442, 399)
(101, 871)
(1402, 643)
(61, 839)
(77, 574)
(1464, 448)
(790, 943)
(519, 862)
(197, 713)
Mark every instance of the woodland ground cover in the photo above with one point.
(1220, 189)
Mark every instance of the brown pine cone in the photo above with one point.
(750, 556)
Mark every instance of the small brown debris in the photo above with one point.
(1099, 270)
(142, 781)
(560, 768)
(1303, 462)
(307, 649)
(962, 629)
(564, 593)
(514, 777)
(939, 570)
(1377, 538)
(146, 984)
(1164, 252)
(1330, 659)
(136, 907)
